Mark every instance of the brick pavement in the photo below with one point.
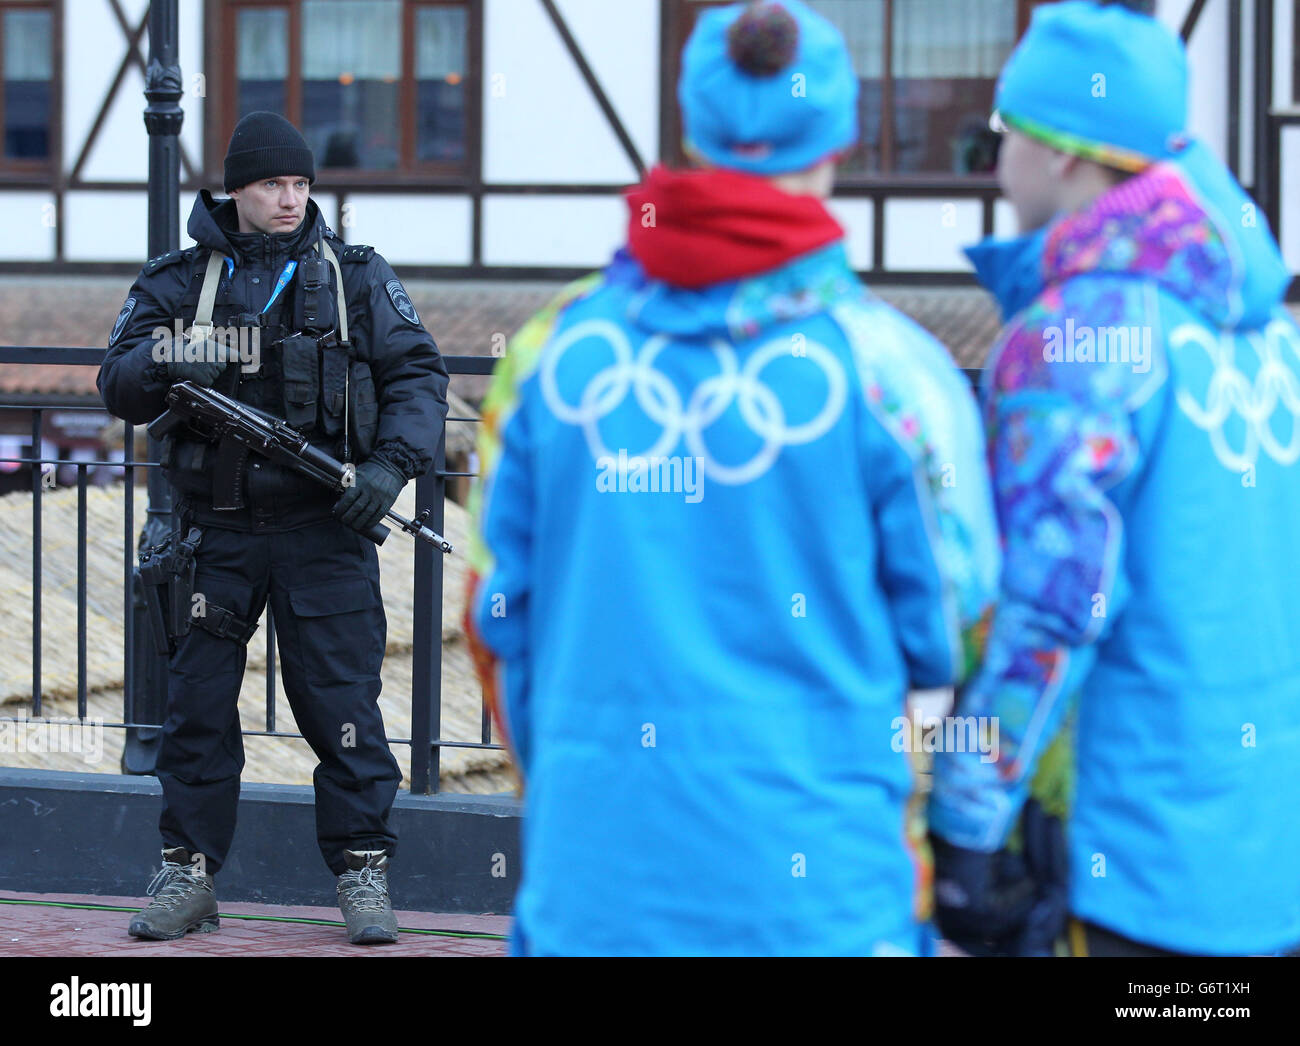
(40, 930)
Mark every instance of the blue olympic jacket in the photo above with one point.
(1143, 410)
(722, 531)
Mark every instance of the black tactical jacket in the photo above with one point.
(396, 382)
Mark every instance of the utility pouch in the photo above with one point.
(314, 304)
(363, 409)
(301, 360)
(334, 385)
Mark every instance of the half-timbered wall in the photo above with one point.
(565, 101)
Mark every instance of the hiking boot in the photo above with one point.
(363, 898)
(183, 900)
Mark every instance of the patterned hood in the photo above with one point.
(1187, 224)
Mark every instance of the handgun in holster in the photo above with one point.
(167, 572)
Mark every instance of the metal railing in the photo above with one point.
(430, 492)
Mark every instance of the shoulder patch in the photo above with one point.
(358, 252)
(163, 260)
(401, 301)
(122, 317)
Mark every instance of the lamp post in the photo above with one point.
(162, 119)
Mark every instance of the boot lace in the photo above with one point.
(173, 884)
(366, 889)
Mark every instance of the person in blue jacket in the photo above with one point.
(732, 507)
(1143, 416)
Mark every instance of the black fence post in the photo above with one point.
(426, 650)
(162, 119)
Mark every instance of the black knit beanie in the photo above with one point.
(266, 145)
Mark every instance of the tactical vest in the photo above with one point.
(308, 371)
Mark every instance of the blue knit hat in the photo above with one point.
(767, 88)
(1100, 81)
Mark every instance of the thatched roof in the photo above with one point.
(268, 759)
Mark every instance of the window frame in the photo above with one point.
(674, 36)
(220, 115)
(28, 170)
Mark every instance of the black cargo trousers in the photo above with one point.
(322, 582)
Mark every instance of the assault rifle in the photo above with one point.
(240, 429)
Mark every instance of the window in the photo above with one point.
(376, 86)
(27, 86)
(927, 70)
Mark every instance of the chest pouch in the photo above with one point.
(300, 358)
(334, 387)
(314, 304)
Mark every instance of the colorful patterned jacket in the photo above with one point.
(1143, 417)
(703, 662)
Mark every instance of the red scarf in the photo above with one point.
(716, 225)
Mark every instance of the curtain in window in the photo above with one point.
(28, 54)
(862, 23)
(351, 72)
(28, 87)
(439, 42)
(952, 39)
(262, 49)
(361, 37)
(440, 85)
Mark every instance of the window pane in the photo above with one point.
(862, 23)
(947, 55)
(440, 85)
(262, 59)
(352, 61)
(28, 72)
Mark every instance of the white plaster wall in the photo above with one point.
(1289, 232)
(554, 230)
(411, 230)
(540, 121)
(929, 234)
(28, 220)
(106, 226)
(858, 218)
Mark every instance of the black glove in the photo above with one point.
(203, 372)
(1045, 863)
(1004, 903)
(374, 489)
(981, 900)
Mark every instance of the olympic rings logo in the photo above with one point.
(661, 402)
(1256, 401)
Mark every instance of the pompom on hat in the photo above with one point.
(1100, 80)
(767, 88)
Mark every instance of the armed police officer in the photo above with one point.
(328, 340)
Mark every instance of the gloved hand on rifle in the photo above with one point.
(1006, 902)
(213, 359)
(375, 487)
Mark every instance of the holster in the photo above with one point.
(167, 572)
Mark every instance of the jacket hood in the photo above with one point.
(1186, 224)
(1011, 269)
(214, 224)
(738, 309)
